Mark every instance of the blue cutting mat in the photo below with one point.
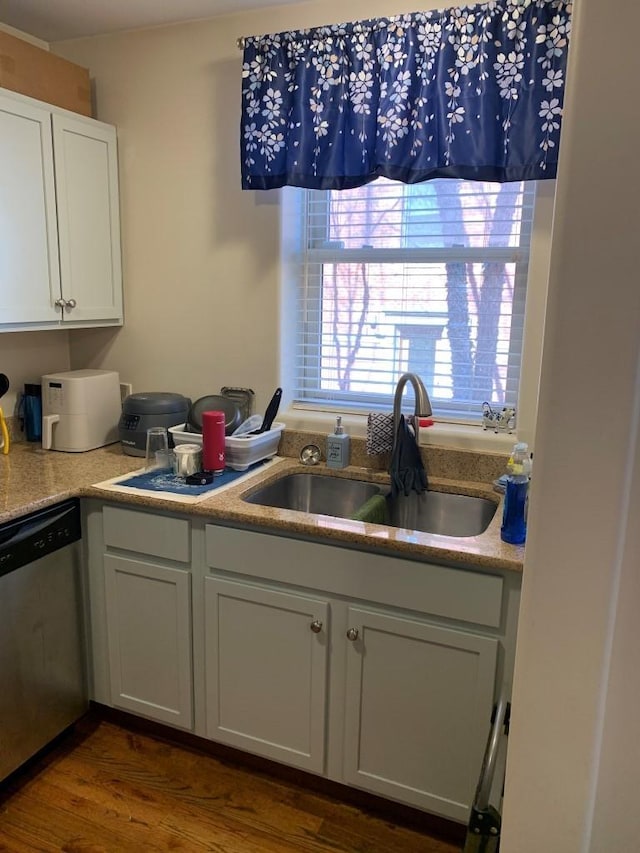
(164, 480)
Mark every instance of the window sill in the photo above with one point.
(455, 436)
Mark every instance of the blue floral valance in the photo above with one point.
(473, 92)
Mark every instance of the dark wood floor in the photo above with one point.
(106, 788)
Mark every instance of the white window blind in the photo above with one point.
(429, 278)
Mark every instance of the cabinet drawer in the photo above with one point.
(144, 533)
(424, 587)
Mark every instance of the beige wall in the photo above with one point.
(573, 771)
(200, 256)
(26, 357)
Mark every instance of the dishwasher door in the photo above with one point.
(42, 645)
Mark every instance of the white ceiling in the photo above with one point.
(56, 20)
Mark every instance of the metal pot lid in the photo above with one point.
(155, 403)
(214, 403)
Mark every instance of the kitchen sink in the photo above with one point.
(317, 493)
(431, 512)
(442, 512)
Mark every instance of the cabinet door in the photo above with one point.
(419, 701)
(29, 271)
(149, 639)
(88, 219)
(266, 667)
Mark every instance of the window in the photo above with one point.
(422, 221)
(429, 278)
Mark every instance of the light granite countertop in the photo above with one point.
(32, 478)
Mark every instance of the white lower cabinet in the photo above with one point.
(416, 701)
(418, 704)
(141, 613)
(371, 670)
(266, 671)
(149, 635)
(377, 672)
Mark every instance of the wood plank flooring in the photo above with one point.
(105, 788)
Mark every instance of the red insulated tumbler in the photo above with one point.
(213, 431)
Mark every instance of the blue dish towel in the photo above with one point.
(164, 480)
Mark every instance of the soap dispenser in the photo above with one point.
(514, 517)
(338, 447)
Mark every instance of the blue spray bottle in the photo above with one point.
(514, 516)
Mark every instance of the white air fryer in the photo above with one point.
(80, 409)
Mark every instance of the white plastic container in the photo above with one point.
(243, 450)
(240, 451)
(180, 436)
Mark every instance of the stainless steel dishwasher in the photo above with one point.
(42, 649)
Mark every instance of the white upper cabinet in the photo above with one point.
(29, 264)
(86, 171)
(59, 218)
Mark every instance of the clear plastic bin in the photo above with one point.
(240, 451)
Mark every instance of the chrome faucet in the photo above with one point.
(422, 404)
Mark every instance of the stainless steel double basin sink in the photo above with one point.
(443, 513)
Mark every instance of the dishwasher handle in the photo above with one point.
(31, 528)
(38, 534)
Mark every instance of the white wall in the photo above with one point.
(201, 258)
(26, 357)
(573, 770)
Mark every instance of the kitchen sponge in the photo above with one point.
(373, 511)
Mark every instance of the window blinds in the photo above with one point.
(428, 278)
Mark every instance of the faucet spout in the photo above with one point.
(422, 407)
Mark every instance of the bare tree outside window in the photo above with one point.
(419, 277)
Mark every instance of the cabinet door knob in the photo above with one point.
(316, 626)
(59, 303)
(352, 634)
(70, 303)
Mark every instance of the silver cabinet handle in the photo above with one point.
(352, 634)
(316, 626)
(70, 303)
(59, 303)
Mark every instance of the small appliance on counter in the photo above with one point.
(80, 409)
(149, 409)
